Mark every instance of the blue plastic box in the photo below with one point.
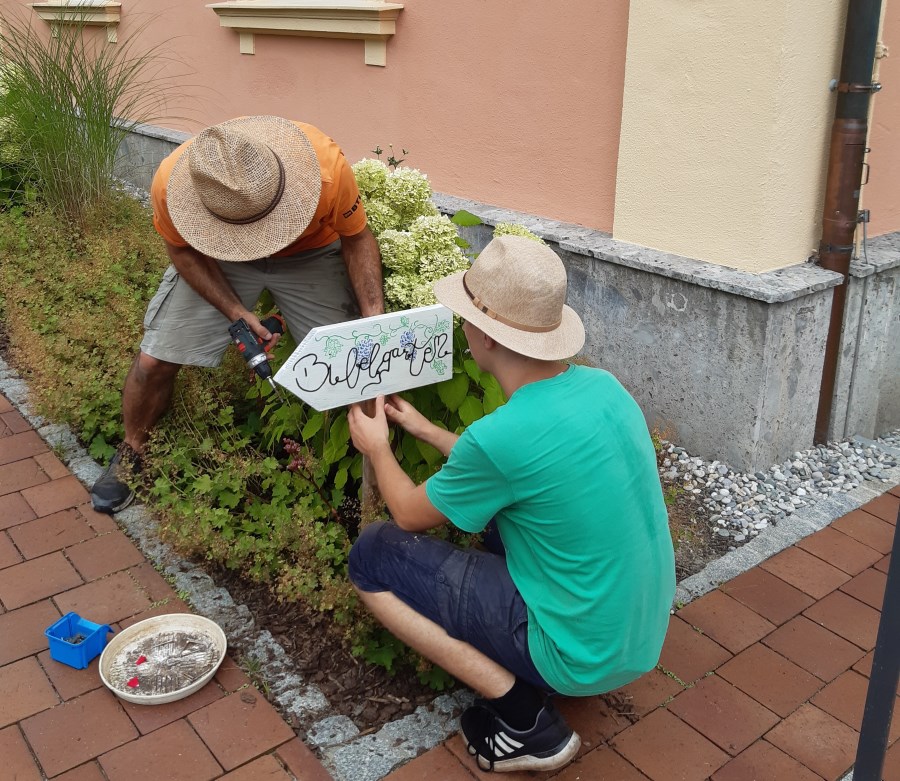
(90, 640)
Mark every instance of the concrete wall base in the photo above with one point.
(867, 385)
(727, 362)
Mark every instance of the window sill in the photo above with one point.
(372, 21)
(99, 13)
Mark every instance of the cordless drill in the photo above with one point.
(253, 349)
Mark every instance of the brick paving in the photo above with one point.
(763, 678)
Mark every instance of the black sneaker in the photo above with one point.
(548, 745)
(111, 492)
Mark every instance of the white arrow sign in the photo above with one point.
(361, 359)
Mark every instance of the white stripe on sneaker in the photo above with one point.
(505, 743)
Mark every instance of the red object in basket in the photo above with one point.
(133, 683)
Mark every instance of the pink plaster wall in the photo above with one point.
(882, 194)
(513, 104)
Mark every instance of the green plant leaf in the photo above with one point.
(411, 454)
(338, 440)
(466, 219)
(431, 454)
(453, 391)
(472, 369)
(493, 395)
(229, 499)
(203, 484)
(313, 426)
(100, 449)
(471, 410)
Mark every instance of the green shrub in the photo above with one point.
(60, 97)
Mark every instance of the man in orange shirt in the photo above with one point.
(250, 204)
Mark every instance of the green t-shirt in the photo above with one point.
(568, 470)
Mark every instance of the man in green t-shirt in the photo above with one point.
(573, 592)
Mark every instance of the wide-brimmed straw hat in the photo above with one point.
(245, 188)
(515, 292)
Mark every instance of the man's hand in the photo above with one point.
(261, 331)
(398, 410)
(409, 504)
(370, 435)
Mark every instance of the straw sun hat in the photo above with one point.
(515, 292)
(245, 188)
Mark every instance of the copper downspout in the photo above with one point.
(842, 189)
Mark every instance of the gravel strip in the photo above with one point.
(743, 505)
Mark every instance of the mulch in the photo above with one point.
(369, 695)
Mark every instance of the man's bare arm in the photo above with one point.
(363, 260)
(203, 274)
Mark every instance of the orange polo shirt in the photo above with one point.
(340, 211)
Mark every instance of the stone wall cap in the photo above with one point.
(881, 253)
(176, 137)
(777, 286)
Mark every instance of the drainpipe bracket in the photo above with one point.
(845, 87)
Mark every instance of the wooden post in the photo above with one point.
(371, 503)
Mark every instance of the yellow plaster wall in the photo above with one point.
(725, 125)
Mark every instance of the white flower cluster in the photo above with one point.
(371, 176)
(409, 194)
(511, 229)
(418, 244)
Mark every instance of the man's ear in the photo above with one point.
(489, 342)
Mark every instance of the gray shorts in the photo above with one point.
(310, 289)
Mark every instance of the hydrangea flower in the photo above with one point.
(404, 292)
(399, 251)
(408, 192)
(511, 229)
(381, 217)
(434, 266)
(435, 234)
(418, 244)
(371, 177)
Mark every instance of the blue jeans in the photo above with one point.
(468, 592)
